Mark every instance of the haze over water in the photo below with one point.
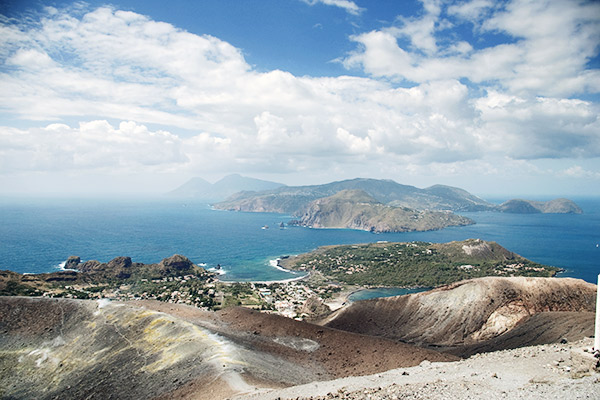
(37, 236)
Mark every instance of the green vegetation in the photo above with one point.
(416, 264)
(14, 288)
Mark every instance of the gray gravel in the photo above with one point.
(538, 372)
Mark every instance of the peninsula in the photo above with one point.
(416, 263)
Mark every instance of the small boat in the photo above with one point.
(265, 227)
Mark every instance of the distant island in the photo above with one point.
(377, 205)
(556, 206)
(198, 188)
(295, 200)
(355, 209)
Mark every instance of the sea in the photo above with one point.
(38, 235)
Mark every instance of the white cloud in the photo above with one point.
(216, 113)
(472, 10)
(539, 128)
(94, 145)
(576, 171)
(349, 6)
(550, 46)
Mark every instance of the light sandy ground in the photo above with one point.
(538, 372)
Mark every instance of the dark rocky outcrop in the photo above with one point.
(176, 264)
(91, 266)
(96, 272)
(72, 262)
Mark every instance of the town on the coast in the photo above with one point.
(327, 276)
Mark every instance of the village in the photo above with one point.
(297, 299)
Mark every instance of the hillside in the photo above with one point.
(556, 206)
(416, 264)
(355, 209)
(73, 349)
(468, 313)
(76, 349)
(542, 372)
(295, 200)
(199, 188)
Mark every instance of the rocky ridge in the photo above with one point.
(465, 313)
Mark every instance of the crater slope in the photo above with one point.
(74, 349)
(477, 315)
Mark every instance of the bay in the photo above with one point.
(37, 235)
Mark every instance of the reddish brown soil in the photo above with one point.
(339, 353)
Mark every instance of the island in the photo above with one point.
(355, 209)
(380, 205)
(556, 206)
(295, 200)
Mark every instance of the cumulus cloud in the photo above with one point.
(550, 44)
(460, 104)
(578, 171)
(349, 6)
(93, 145)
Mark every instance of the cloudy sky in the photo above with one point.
(496, 97)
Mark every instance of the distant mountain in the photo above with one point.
(195, 187)
(556, 206)
(202, 189)
(355, 209)
(295, 200)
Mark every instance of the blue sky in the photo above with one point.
(139, 96)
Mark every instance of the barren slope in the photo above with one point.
(465, 313)
(72, 349)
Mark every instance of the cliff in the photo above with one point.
(355, 209)
(119, 269)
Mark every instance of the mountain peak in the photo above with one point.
(201, 189)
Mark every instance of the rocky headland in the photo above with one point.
(355, 209)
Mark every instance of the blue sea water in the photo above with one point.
(366, 294)
(38, 235)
